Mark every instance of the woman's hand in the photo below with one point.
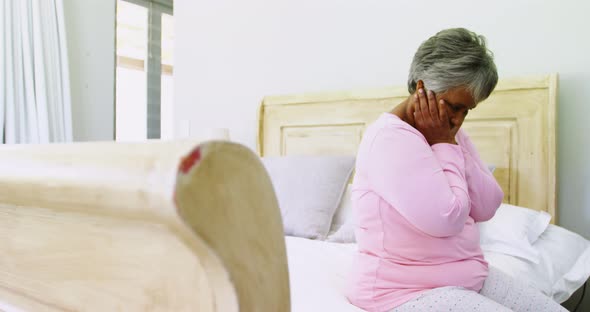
(431, 119)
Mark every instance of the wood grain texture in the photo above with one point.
(116, 227)
(514, 129)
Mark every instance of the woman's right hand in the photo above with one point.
(430, 118)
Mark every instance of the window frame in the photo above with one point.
(154, 68)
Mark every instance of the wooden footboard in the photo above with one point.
(158, 226)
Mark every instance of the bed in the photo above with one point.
(200, 226)
(514, 130)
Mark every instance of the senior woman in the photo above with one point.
(419, 188)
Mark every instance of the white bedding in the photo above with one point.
(318, 271)
(317, 274)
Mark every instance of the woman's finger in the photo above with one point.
(412, 108)
(416, 104)
(417, 114)
(442, 111)
(423, 105)
(433, 107)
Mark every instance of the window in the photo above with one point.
(145, 66)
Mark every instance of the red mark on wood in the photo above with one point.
(189, 161)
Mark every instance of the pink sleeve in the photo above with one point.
(425, 185)
(485, 193)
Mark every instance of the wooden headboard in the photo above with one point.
(514, 129)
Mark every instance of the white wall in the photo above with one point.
(90, 28)
(230, 53)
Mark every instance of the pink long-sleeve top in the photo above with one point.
(417, 206)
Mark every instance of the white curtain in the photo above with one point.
(35, 105)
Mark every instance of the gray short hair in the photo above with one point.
(453, 58)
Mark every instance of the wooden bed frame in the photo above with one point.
(160, 226)
(514, 129)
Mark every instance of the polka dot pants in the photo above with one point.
(499, 293)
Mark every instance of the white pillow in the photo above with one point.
(513, 230)
(309, 189)
(344, 210)
(564, 263)
(344, 222)
(344, 235)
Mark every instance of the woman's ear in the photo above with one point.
(420, 85)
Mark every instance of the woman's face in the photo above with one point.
(459, 102)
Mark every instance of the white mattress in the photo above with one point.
(318, 272)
